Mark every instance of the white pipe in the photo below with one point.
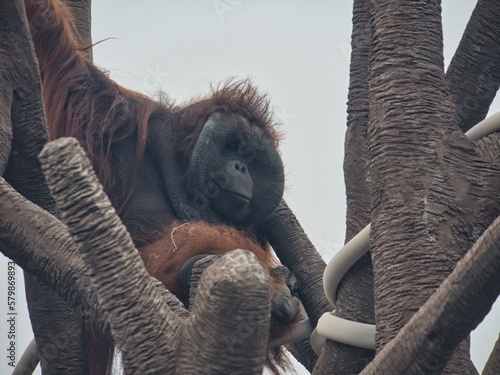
(360, 245)
(483, 128)
(343, 260)
(28, 361)
(357, 334)
(362, 336)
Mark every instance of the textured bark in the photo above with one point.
(355, 294)
(231, 311)
(433, 190)
(60, 340)
(22, 106)
(425, 344)
(474, 72)
(401, 102)
(295, 251)
(229, 324)
(196, 274)
(492, 366)
(81, 11)
(24, 125)
(355, 162)
(51, 255)
(140, 324)
(5, 121)
(48, 251)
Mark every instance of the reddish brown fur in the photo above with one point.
(181, 241)
(234, 96)
(82, 102)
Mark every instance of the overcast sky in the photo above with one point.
(295, 51)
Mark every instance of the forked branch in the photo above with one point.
(425, 344)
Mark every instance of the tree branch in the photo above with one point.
(25, 127)
(42, 246)
(81, 11)
(355, 295)
(425, 344)
(492, 366)
(295, 251)
(153, 337)
(474, 72)
(141, 326)
(230, 315)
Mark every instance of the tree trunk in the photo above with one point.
(295, 251)
(434, 192)
(355, 294)
(82, 12)
(474, 71)
(28, 133)
(426, 343)
(492, 366)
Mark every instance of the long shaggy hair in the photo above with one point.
(82, 102)
(181, 241)
(232, 96)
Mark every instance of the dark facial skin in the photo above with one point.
(231, 187)
(235, 173)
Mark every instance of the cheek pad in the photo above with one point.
(258, 152)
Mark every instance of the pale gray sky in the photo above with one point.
(296, 51)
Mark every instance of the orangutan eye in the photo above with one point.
(232, 146)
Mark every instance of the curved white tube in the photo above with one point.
(357, 334)
(28, 361)
(362, 335)
(483, 128)
(343, 260)
(317, 342)
(355, 249)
